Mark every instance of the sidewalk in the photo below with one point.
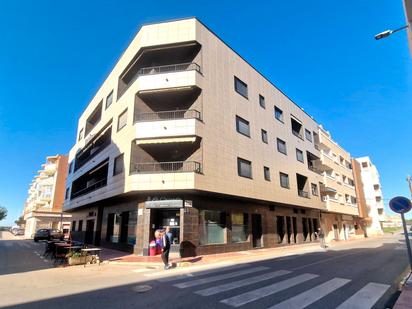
(117, 257)
(405, 299)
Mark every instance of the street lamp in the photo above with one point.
(387, 33)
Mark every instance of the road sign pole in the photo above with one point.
(408, 244)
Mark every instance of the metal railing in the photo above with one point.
(315, 170)
(167, 167)
(297, 134)
(168, 115)
(93, 187)
(169, 68)
(303, 193)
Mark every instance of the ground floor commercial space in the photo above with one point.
(342, 227)
(36, 220)
(199, 224)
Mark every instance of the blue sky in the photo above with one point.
(322, 54)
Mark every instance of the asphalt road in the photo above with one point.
(356, 275)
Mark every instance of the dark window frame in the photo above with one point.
(118, 120)
(115, 164)
(245, 122)
(110, 95)
(264, 136)
(287, 178)
(297, 157)
(238, 80)
(266, 173)
(280, 118)
(277, 145)
(239, 170)
(308, 133)
(316, 192)
(262, 101)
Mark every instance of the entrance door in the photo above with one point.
(257, 230)
(280, 223)
(124, 226)
(336, 231)
(288, 229)
(89, 232)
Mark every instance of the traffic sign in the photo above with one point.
(400, 204)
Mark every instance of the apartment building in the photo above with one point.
(43, 207)
(184, 132)
(369, 181)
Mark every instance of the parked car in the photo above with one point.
(17, 231)
(48, 234)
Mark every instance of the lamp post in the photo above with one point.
(387, 33)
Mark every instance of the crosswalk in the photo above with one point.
(241, 285)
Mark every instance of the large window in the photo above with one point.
(264, 136)
(281, 146)
(242, 126)
(278, 114)
(299, 155)
(244, 168)
(241, 87)
(122, 121)
(296, 127)
(212, 226)
(109, 99)
(239, 227)
(262, 101)
(118, 167)
(284, 180)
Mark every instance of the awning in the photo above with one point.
(190, 139)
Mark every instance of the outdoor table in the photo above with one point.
(61, 249)
(88, 251)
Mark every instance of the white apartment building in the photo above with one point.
(184, 132)
(373, 196)
(43, 206)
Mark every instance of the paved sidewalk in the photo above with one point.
(116, 257)
(405, 299)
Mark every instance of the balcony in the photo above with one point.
(304, 194)
(45, 197)
(168, 115)
(90, 188)
(169, 69)
(167, 167)
(50, 169)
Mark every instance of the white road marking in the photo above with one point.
(308, 297)
(190, 274)
(241, 299)
(365, 297)
(237, 284)
(188, 284)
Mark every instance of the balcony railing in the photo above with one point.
(315, 170)
(297, 134)
(168, 115)
(93, 187)
(303, 193)
(169, 68)
(167, 167)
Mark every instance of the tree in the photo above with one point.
(3, 213)
(20, 221)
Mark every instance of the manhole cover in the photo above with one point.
(142, 288)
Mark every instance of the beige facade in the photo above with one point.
(183, 116)
(43, 207)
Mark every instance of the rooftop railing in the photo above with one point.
(168, 115)
(169, 68)
(167, 167)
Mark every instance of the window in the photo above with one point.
(281, 146)
(239, 227)
(266, 172)
(122, 120)
(278, 114)
(73, 226)
(212, 226)
(284, 180)
(308, 135)
(241, 87)
(364, 164)
(71, 167)
(314, 188)
(80, 225)
(299, 155)
(80, 135)
(244, 168)
(296, 127)
(109, 99)
(351, 182)
(118, 167)
(353, 200)
(94, 118)
(242, 126)
(262, 101)
(67, 193)
(264, 136)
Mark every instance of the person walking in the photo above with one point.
(321, 236)
(169, 234)
(165, 250)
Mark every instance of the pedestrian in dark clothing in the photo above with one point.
(165, 250)
(169, 234)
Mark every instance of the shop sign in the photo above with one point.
(164, 203)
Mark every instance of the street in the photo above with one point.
(356, 274)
